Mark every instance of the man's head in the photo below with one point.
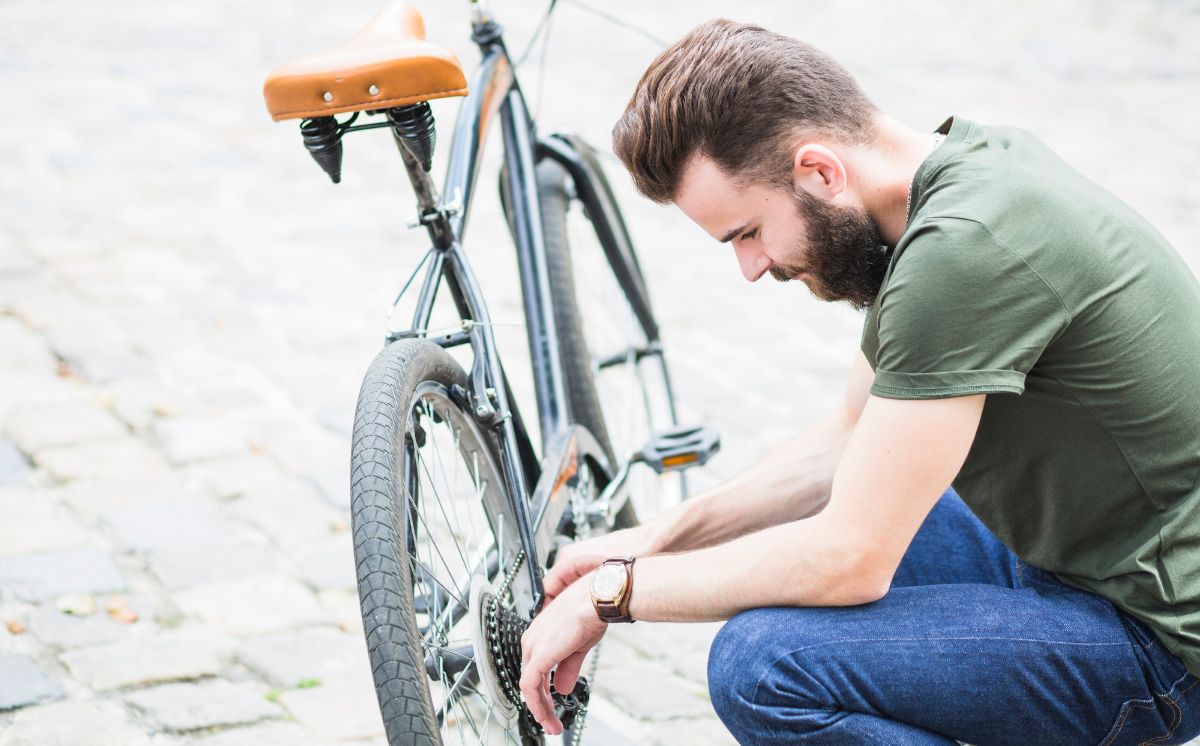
(740, 128)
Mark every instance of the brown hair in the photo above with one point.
(740, 95)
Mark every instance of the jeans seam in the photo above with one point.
(1126, 710)
(1178, 718)
(771, 665)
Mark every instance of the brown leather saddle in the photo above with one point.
(387, 64)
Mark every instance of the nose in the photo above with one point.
(753, 262)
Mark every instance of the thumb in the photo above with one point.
(567, 672)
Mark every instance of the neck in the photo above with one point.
(889, 164)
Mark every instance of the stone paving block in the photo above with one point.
(24, 682)
(35, 577)
(143, 661)
(650, 692)
(14, 469)
(254, 605)
(238, 476)
(66, 631)
(100, 354)
(318, 653)
(30, 523)
(192, 706)
(166, 524)
(330, 565)
(194, 563)
(141, 400)
(188, 439)
(700, 731)
(23, 348)
(113, 459)
(94, 498)
(337, 709)
(36, 428)
(292, 519)
(73, 723)
(269, 734)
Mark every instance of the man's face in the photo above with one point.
(793, 235)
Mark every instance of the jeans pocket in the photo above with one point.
(1162, 719)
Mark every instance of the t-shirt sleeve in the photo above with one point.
(962, 314)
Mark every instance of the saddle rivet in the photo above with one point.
(327, 96)
(373, 90)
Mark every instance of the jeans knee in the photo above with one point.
(735, 664)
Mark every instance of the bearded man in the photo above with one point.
(995, 539)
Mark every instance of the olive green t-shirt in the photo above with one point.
(1018, 277)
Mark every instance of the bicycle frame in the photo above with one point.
(494, 90)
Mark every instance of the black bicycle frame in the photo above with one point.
(494, 91)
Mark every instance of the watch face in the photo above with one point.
(609, 582)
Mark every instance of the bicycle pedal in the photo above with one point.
(681, 448)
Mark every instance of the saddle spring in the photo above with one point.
(412, 126)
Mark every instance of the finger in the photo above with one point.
(568, 672)
(564, 573)
(551, 723)
(531, 690)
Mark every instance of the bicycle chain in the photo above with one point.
(504, 630)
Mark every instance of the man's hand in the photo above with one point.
(560, 636)
(576, 560)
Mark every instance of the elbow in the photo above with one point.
(866, 578)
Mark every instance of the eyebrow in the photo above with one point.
(733, 233)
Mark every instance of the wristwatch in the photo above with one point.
(612, 585)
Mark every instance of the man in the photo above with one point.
(1028, 337)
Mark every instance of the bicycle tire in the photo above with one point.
(556, 197)
(389, 435)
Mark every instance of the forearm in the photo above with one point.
(790, 483)
(811, 562)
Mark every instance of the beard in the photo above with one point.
(846, 256)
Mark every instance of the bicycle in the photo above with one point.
(450, 567)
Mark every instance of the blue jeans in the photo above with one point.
(970, 644)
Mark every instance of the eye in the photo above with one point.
(749, 234)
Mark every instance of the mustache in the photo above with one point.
(785, 272)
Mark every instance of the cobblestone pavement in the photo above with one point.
(187, 305)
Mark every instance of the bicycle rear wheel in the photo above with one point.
(617, 391)
(432, 525)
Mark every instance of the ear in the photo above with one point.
(817, 170)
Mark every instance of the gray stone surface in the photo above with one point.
(189, 707)
(65, 631)
(143, 661)
(35, 428)
(24, 682)
(14, 469)
(330, 564)
(73, 724)
(319, 653)
(253, 605)
(35, 577)
(29, 523)
(185, 440)
(185, 565)
(268, 734)
(110, 459)
(342, 708)
(164, 525)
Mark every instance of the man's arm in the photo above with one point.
(901, 458)
(791, 482)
